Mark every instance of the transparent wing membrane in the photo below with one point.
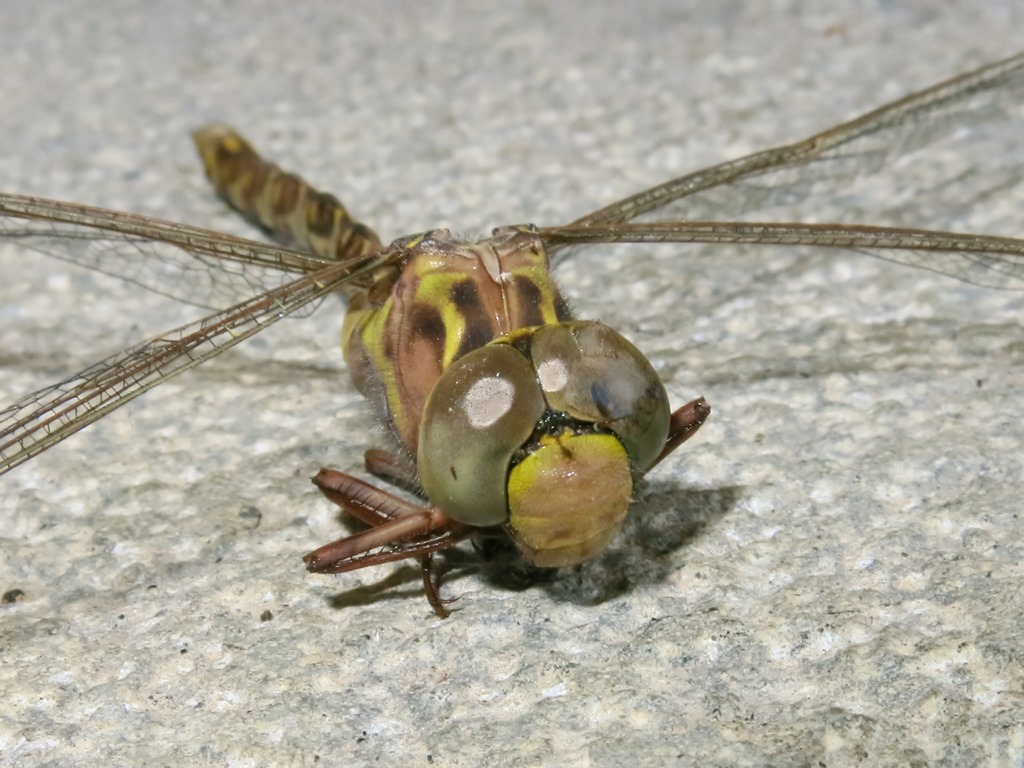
(990, 262)
(979, 112)
(44, 418)
(193, 265)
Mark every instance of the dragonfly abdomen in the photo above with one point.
(280, 202)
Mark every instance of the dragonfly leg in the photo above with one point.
(431, 587)
(373, 505)
(683, 423)
(400, 530)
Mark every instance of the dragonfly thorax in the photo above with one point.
(449, 298)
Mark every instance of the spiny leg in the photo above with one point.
(390, 467)
(400, 530)
(683, 424)
(282, 203)
(430, 587)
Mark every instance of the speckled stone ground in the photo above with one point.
(831, 574)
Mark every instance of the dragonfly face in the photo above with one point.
(558, 410)
(542, 431)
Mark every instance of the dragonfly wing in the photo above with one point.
(976, 110)
(988, 261)
(190, 264)
(44, 418)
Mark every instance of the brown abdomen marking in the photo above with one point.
(278, 201)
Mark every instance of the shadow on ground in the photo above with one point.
(664, 521)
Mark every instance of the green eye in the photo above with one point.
(488, 404)
(593, 374)
(479, 414)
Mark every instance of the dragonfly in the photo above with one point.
(508, 416)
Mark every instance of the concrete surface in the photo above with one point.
(830, 574)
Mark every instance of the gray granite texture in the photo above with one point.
(830, 574)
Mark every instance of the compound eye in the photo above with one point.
(482, 410)
(593, 374)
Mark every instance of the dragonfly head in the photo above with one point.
(543, 431)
